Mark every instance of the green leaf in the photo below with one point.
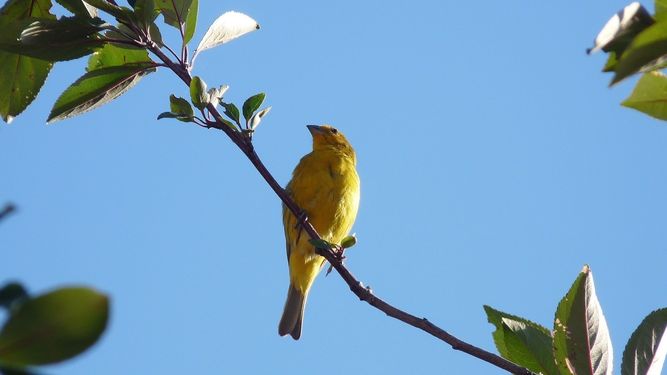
(348, 241)
(251, 105)
(523, 342)
(232, 112)
(121, 32)
(21, 9)
(22, 76)
(79, 8)
(181, 108)
(177, 13)
(97, 88)
(191, 21)
(176, 116)
(645, 49)
(53, 327)
(645, 351)
(51, 40)
(59, 32)
(650, 95)
(582, 345)
(12, 293)
(145, 11)
(111, 72)
(167, 115)
(155, 35)
(120, 13)
(610, 65)
(115, 55)
(198, 93)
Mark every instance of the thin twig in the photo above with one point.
(245, 145)
(8, 209)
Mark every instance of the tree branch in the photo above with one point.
(245, 145)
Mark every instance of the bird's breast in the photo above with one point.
(327, 188)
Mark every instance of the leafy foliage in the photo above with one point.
(22, 76)
(124, 14)
(79, 8)
(33, 39)
(646, 48)
(181, 14)
(637, 43)
(580, 342)
(144, 11)
(55, 40)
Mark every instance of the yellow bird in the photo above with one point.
(325, 185)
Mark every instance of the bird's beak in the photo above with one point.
(314, 129)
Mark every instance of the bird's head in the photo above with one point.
(326, 136)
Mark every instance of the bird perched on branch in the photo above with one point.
(325, 185)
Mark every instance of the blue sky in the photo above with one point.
(495, 162)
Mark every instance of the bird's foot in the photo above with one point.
(339, 255)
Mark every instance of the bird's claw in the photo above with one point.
(339, 254)
(301, 219)
(329, 270)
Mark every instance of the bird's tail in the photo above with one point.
(292, 318)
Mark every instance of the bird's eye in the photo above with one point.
(334, 130)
